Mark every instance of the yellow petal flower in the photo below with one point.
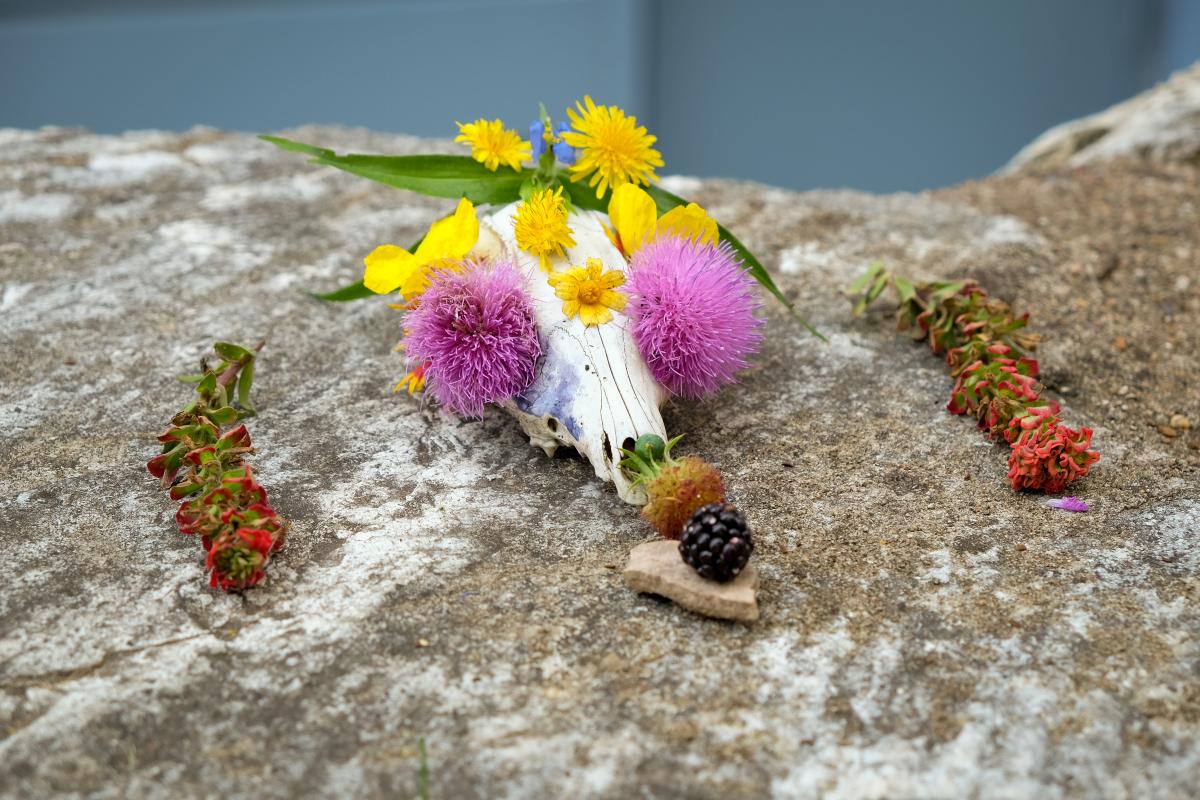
(634, 217)
(414, 380)
(613, 148)
(492, 144)
(588, 292)
(540, 226)
(389, 267)
(594, 315)
(452, 236)
(635, 223)
(689, 222)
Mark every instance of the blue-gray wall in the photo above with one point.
(866, 93)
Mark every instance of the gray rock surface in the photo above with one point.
(925, 632)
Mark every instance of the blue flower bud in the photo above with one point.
(536, 131)
(563, 151)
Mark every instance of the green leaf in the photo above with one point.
(231, 352)
(244, 382)
(435, 175)
(351, 291)
(207, 384)
(583, 197)
(905, 291)
(223, 415)
(422, 772)
(190, 378)
(861, 283)
(666, 201)
(877, 288)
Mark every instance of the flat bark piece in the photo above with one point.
(656, 568)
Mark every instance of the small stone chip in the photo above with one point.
(422, 643)
(1120, 342)
(1180, 422)
(656, 568)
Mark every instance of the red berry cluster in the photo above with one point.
(987, 350)
(204, 468)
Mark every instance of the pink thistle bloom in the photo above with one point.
(474, 331)
(693, 310)
(1068, 504)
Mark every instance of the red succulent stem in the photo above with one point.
(203, 465)
(988, 352)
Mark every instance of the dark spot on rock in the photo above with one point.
(972, 543)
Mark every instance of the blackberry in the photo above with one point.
(716, 542)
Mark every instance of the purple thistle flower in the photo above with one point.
(474, 331)
(692, 307)
(1068, 504)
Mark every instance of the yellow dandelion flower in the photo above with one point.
(589, 292)
(492, 144)
(612, 147)
(540, 226)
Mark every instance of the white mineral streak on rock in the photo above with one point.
(593, 391)
(16, 206)
(115, 169)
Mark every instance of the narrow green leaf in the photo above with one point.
(863, 281)
(351, 291)
(230, 352)
(245, 380)
(435, 175)
(583, 197)
(877, 288)
(905, 291)
(422, 772)
(189, 378)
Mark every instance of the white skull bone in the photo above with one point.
(593, 390)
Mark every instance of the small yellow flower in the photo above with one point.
(589, 292)
(492, 144)
(613, 148)
(635, 220)
(414, 380)
(540, 226)
(389, 267)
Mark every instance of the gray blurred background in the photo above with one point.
(869, 94)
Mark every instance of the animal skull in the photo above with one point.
(593, 390)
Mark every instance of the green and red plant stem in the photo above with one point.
(989, 352)
(203, 466)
